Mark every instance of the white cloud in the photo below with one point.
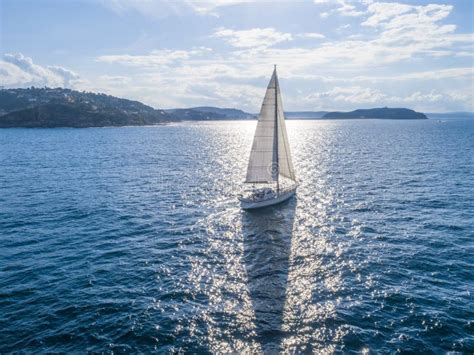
(353, 95)
(114, 79)
(210, 7)
(349, 97)
(68, 76)
(343, 27)
(153, 9)
(437, 74)
(187, 88)
(425, 101)
(418, 96)
(409, 25)
(260, 37)
(395, 38)
(415, 30)
(11, 75)
(255, 37)
(164, 8)
(155, 58)
(313, 35)
(394, 33)
(17, 70)
(343, 7)
(466, 73)
(383, 11)
(347, 9)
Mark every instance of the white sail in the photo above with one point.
(270, 155)
(285, 164)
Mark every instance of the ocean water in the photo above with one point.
(131, 240)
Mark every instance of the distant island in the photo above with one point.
(381, 113)
(211, 113)
(59, 107)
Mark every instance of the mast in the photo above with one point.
(270, 153)
(276, 131)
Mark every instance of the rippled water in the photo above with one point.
(131, 239)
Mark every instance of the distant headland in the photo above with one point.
(383, 113)
(58, 107)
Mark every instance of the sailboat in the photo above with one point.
(270, 173)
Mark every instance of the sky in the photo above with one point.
(330, 54)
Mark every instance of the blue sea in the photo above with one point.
(132, 240)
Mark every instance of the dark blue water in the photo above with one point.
(131, 240)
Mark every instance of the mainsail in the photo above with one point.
(270, 156)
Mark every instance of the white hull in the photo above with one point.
(249, 204)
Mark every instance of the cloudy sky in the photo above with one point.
(331, 54)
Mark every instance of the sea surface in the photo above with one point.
(132, 240)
